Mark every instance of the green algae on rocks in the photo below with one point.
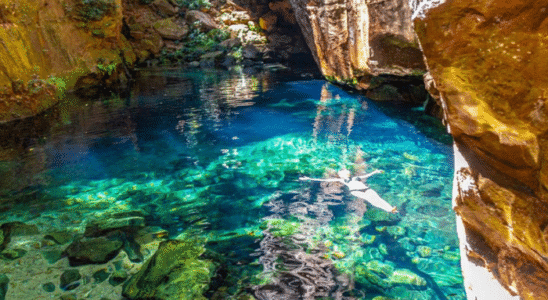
(175, 271)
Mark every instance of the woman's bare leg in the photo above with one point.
(372, 197)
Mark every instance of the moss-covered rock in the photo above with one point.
(170, 29)
(175, 271)
(93, 250)
(69, 279)
(404, 276)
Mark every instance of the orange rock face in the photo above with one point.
(353, 40)
(63, 39)
(488, 60)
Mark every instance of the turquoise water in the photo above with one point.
(215, 157)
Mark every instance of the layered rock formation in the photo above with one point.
(63, 39)
(354, 40)
(487, 60)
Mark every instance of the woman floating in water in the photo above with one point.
(359, 189)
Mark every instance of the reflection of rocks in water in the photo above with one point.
(298, 273)
(299, 270)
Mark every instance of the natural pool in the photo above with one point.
(212, 159)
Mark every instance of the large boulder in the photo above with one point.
(204, 21)
(175, 271)
(487, 60)
(355, 40)
(171, 29)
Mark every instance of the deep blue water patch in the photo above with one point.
(218, 155)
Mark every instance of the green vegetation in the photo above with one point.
(93, 10)
(59, 84)
(107, 69)
(194, 4)
(197, 43)
(90, 10)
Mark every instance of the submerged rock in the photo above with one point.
(118, 277)
(384, 275)
(69, 279)
(60, 237)
(48, 287)
(93, 250)
(101, 275)
(4, 280)
(404, 276)
(13, 253)
(19, 229)
(173, 272)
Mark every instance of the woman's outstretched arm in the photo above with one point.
(370, 174)
(321, 179)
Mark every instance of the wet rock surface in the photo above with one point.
(351, 41)
(484, 59)
(173, 272)
(190, 192)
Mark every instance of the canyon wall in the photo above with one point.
(352, 40)
(488, 61)
(48, 45)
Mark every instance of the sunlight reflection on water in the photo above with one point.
(218, 155)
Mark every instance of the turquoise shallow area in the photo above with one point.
(218, 155)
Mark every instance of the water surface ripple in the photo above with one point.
(217, 156)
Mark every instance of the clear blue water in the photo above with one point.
(218, 155)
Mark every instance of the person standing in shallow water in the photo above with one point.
(359, 189)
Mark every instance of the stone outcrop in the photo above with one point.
(354, 40)
(487, 60)
(63, 39)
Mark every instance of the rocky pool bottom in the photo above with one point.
(204, 216)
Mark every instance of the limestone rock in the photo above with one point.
(170, 29)
(485, 59)
(404, 276)
(118, 277)
(284, 9)
(216, 55)
(19, 229)
(93, 250)
(231, 43)
(250, 51)
(69, 279)
(12, 253)
(353, 39)
(205, 21)
(235, 17)
(268, 21)
(59, 237)
(165, 8)
(42, 38)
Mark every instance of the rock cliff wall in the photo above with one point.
(354, 40)
(48, 44)
(488, 61)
